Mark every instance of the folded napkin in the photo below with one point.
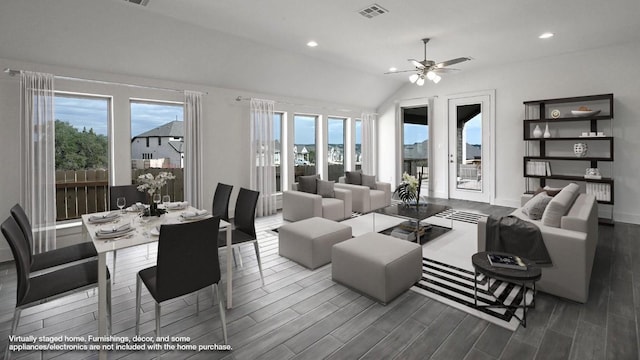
(178, 205)
(104, 217)
(114, 229)
(136, 207)
(192, 214)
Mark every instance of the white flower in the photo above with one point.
(150, 184)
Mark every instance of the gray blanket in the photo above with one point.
(513, 235)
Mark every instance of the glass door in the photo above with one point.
(469, 148)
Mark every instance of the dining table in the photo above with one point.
(143, 230)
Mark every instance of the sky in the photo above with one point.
(89, 113)
(92, 113)
(414, 133)
(304, 130)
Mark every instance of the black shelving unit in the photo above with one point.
(538, 112)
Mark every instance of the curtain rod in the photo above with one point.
(242, 98)
(13, 72)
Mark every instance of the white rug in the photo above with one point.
(448, 277)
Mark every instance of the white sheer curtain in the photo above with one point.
(38, 180)
(262, 166)
(369, 143)
(193, 148)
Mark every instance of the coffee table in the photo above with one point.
(525, 278)
(420, 219)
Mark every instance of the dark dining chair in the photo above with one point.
(187, 262)
(129, 192)
(245, 224)
(132, 195)
(52, 259)
(32, 291)
(221, 201)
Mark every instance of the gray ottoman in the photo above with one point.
(309, 241)
(377, 265)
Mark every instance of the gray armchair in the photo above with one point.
(366, 199)
(299, 205)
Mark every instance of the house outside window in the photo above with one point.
(358, 145)
(335, 147)
(162, 121)
(277, 157)
(304, 145)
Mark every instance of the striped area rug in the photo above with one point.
(459, 215)
(454, 286)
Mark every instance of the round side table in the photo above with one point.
(526, 278)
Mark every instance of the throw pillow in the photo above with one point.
(353, 177)
(308, 183)
(559, 206)
(325, 188)
(549, 190)
(534, 208)
(370, 181)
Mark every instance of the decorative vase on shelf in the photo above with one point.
(547, 134)
(537, 132)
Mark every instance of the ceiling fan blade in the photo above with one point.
(452, 62)
(399, 71)
(444, 70)
(416, 63)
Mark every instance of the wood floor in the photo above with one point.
(302, 314)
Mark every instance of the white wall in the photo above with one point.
(112, 36)
(225, 129)
(607, 70)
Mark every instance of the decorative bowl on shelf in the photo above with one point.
(584, 112)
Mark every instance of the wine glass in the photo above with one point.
(121, 202)
(156, 199)
(166, 199)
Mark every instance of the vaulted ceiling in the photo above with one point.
(260, 46)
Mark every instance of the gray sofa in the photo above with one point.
(298, 205)
(366, 199)
(571, 247)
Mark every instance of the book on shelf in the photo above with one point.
(506, 261)
(601, 191)
(538, 168)
(403, 234)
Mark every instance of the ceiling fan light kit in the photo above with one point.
(428, 68)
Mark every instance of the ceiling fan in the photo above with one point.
(429, 69)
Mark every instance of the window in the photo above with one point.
(335, 147)
(358, 145)
(277, 135)
(415, 140)
(81, 154)
(163, 121)
(304, 145)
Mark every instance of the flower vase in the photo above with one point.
(547, 133)
(537, 132)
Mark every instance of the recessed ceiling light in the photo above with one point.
(312, 44)
(546, 35)
(393, 69)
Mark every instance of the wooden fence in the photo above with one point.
(81, 192)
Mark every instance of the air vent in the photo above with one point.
(373, 11)
(138, 2)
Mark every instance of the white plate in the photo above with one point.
(584, 113)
